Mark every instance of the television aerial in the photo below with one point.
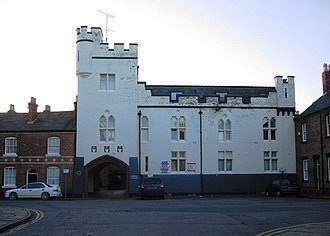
(107, 16)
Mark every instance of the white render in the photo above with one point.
(131, 97)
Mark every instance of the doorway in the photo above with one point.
(106, 173)
(32, 176)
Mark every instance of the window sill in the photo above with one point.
(9, 186)
(53, 155)
(9, 155)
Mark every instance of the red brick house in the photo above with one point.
(313, 143)
(37, 146)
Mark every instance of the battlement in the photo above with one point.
(95, 36)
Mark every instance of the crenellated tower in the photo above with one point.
(285, 92)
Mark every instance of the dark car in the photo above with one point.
(152, 187)
(282, 187)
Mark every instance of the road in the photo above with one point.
(224, 215)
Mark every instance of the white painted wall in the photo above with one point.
(247, 142)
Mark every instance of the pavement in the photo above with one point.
(11, 217)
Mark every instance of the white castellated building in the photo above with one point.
(197, 139)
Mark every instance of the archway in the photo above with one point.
(106, 173)
(31, 176)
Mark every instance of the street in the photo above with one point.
(221, 215)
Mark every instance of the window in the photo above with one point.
(305, 170)
(224, 130)
(107, 82)
(174, 96)
(178, 161)
(328, 158)
(53, 146)
(107, 128)
(10, 146)
(178, 129)
(225, 160)
(304, 132)
(10, 176)
(146, 163)
(270, 161)
(269, 128)
(145, 129)
(327, 120)
(53, 176)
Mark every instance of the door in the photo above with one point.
(32, 176)
(317, 173)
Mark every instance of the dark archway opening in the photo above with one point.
(106, 173)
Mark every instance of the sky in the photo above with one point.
(182, 42)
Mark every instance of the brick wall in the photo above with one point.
(32, 154)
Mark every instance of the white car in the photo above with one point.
(34, 190)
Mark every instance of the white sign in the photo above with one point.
(164, 166)
(191, 167)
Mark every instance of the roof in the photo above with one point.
(246, 92)
(46, 121)
(320, 104)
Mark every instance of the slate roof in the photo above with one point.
(46, 121)
(246, 92)
(320, 104)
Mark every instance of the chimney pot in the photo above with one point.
(325, 67)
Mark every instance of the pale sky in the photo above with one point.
(182, 42)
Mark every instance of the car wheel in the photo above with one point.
(45, 196)
(278, 193)
(13, 196)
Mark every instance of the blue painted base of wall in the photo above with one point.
(238, 183)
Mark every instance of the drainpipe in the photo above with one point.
(139, 146)
(201, 150)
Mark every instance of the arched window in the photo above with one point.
(53, 176)
(145, 129)
(178, 129)
(224, 130)
(53, 146)
(269, 128)
(107, 128)
(9, 176)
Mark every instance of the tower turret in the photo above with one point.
(85, 45)
(285, 91)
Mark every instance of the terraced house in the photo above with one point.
(37, 146)
(313, 142)
(197, 139)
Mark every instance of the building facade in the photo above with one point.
(37, 146)
(313, 143)
(197, 139)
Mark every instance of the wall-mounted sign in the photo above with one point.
(164, 166)
(191, 166)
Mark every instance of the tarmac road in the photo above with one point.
(220, 215)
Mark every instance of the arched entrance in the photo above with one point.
(106, 173)
(31, 176)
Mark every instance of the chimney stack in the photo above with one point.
(326, 78)
(47, 108)
(12, 109)
(32, 115)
